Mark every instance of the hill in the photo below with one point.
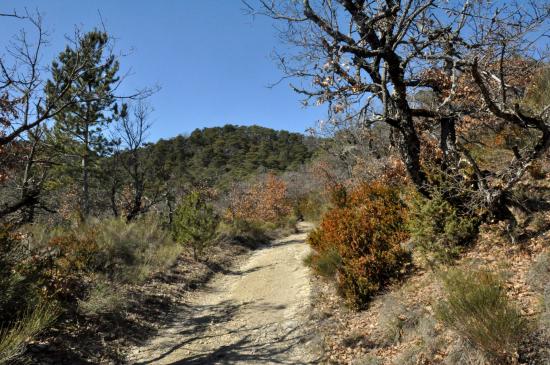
(221, 154)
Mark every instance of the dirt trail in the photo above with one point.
(255, 315)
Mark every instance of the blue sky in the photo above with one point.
(211, 60)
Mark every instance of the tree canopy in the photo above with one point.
(217, 155)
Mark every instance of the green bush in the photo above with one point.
(477, 308)
(310, 207)
(325, 263)
(246, 233)
(195, 223)
(438, 231)
(366, 229)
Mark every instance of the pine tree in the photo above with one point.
(195, 223)
(78, 133)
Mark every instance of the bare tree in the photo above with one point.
(372, 59)
(21, 82)
(23, 111)
(133, 131)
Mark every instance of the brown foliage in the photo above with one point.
(265, 200)
(366, 232)
(69, 257)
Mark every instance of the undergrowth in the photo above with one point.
(360, 239)
(13, 338)
(477, 308)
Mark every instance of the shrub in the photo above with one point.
(325, 263)
(19, 280)
(122, 252)
(14, 338)
(102, 298)
(309, 207)
(265, 200)
(130, 252)
(366, 231)
(462, 352)
(23, 311)
(477, 308)
(247, 233)
(195, 223)
(438, 231)
(66, 260)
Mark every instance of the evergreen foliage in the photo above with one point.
(223, 154)
(195, 223)
(78, 133)
(438, 230)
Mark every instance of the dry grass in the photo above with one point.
(103, 298)
(13, 339)
(131, 252)
(538, 276)
(477, 308)
(463, 353)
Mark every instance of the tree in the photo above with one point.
(195, 223)
(132, 131)
(79, 129)
(23, 113)
(371, 60)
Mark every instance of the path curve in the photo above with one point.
(255, 315)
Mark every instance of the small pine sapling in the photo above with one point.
(195, 223)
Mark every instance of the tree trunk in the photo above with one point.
(85, 172)
(169, 203)
(114, 207)
(27, 214)
(448, 142)
(138, 183)
(409, 148)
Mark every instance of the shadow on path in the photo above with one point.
(243, 347)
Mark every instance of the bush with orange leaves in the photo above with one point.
(366, 232)
(265, 200)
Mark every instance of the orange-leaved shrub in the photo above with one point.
(366, 229)
(265, 200)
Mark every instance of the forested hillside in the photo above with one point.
(221, 154)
